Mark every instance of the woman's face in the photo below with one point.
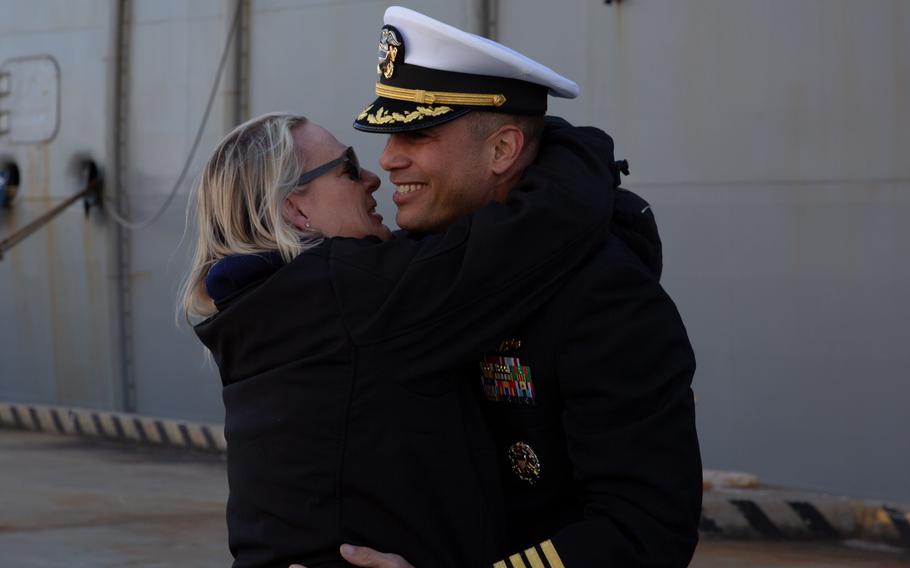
(334, 204)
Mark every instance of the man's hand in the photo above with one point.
(369, 558)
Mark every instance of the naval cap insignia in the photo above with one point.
(524, 462)
(390, 47)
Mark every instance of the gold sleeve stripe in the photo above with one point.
(534, 558)
(516, 561)
(439, 97)
(500, 564)
(550, 552)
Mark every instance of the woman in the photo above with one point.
(334, 340)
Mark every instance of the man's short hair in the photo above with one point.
(484, 123)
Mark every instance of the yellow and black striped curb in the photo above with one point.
(754, 513)
(789, 515)
(114, 426)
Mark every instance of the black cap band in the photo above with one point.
(521, 97)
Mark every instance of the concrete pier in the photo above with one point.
(72, 502)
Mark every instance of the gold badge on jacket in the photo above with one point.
(525, 463)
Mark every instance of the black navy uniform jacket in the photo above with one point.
(346, 418)
(593, 415)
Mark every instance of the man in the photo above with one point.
(589, 403)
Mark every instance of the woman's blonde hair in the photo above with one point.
(240, 201)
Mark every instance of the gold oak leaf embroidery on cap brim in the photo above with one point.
(382, 116)
(363, 114)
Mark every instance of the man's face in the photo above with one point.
(439, 173)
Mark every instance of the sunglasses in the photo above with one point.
(351, 167)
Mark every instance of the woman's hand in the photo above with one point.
(369, 558)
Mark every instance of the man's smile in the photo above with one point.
(408, 187)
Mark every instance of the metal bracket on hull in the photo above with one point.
(90, 194)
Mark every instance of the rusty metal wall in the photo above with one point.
(772, 139)
(175, 49)
(55, 313)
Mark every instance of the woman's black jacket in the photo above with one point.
(344, 419)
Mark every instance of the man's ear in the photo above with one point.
(508, 142)
(292, 212)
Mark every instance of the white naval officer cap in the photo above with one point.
(431, 73)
